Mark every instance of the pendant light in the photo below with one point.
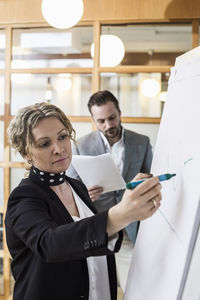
(62, 14)
(150, 87)
(111, 50)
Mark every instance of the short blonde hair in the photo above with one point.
(20, 128)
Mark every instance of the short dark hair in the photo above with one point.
(102, 97)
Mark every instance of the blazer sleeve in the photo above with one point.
(29, 224)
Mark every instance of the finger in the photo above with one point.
(151, 195)
(95, 188)
(149, 210)
(95, 194)
(142, 176)
(154, 209)
(154, 205)
(97, 191)
(149, 186)
(148, 199)
(154, 202)
(157, 198)
(92, 187)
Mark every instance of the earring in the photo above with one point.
(29, 161)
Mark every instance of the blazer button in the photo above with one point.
(86, 245)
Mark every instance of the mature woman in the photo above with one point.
(61, 248)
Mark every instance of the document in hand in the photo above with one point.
(99, 170)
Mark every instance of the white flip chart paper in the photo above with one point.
(160, 252)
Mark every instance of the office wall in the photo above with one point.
(22, 11)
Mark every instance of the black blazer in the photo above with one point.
(48, 248)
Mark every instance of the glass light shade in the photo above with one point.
(62, 14)
(111, 50)
(150, 87)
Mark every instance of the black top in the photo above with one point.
(48, 248)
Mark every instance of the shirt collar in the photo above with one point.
(106, 143)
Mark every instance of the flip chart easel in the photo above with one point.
(163, 263)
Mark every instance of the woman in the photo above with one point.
(61, 248)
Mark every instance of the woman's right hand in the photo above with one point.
(136, 204)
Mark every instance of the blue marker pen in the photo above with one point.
(132, 185)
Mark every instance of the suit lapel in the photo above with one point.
(98, 146)
(54, 200)
(130, 152)
(81, 193)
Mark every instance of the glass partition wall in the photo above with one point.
(62, 67)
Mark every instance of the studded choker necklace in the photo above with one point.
(49, 178)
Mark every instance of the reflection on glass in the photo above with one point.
(2, 95)
(16, 175)
(2, 48)
(1, 277)
(1, 187)
(68, 91)
(152, 44)
(1, 140)
(52, 48)
(136, 98)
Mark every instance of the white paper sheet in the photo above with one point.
(160, 254)
(98, 170)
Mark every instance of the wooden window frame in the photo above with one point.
(7, 164)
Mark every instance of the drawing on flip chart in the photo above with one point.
(163, 242)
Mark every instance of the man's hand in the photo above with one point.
(95, 192)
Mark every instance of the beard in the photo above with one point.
(113, 132)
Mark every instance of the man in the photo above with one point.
(131, 153)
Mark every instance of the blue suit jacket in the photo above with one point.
(138, 158)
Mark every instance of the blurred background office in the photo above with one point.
(65, 63)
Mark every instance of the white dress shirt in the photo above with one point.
(99, 287)
(117, 151)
